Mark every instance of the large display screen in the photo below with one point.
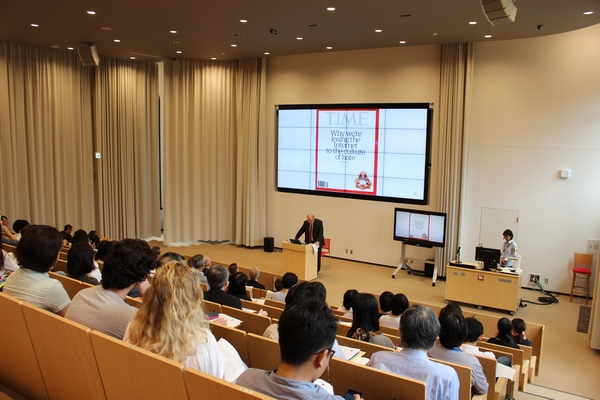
(367, 151)
(420, 228)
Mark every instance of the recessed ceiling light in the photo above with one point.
(378, 30)
(172, 31)
(473, 23)
(106, 28)
(243, 21)
(588, 13)
(179, 52)
(91, 12)
(117, 40)
(69, 48)
(234, 45)
(329, 47)
(402, 42)
(267, 53)
(213, 58)
(488, 36)
(132, 58)
(298, 38)
(35, 25)
(330, 8)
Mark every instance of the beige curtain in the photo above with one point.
(455, 97)
(126, 135)
(46, 150)
(214, 132)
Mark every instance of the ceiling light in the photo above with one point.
(588, 13)
(117, 40)
(132, 58)
(91, 12)
(243, 21)
(213, 58)
(35, 25)
(473, 23)
(106, 28)
(329, 47)
(298, 38)
(488, 36)
(69, 48)
(267, 53)
(330, 8)
(378, 30)
(234, 45)
(402, 42)
(179, 52)
(54, 46)
(173, 31)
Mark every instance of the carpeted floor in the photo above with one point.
(583, 322)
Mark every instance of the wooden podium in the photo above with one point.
(300, 259)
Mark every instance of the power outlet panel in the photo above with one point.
(534, 279)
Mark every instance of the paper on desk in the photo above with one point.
(502, 371)
(349, 352)
(259, 301)
(234, 366)
(229, 321)
(361, 360)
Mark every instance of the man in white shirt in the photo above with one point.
(288, 281)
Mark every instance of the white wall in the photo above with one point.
(367, 76)
(536, 110)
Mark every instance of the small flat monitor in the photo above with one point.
(489, 257)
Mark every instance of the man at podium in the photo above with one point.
(312, 229)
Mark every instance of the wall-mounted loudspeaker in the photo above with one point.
(88, 55)
(499, 12)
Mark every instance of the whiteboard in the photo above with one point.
(493, 222)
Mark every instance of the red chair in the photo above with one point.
(326, 250)
(582, 269)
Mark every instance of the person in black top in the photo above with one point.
(519, 327)
(254, 273)
(218, 280)
(237, 286)
(504, 336)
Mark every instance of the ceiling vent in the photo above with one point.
(88, 55)
(499, 12)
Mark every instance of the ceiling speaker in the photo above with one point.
(499, 12)
(88, 55)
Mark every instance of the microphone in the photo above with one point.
(458, 256)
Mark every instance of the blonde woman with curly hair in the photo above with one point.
(171, 321)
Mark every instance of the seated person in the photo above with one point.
(7, 265)
(288, 281)
(385, 302)
(80, 262)
(418, 331)
(233, 269)
(237, 286)
(197, 262)
(94, 239)
(218, 280)
(365, 321)
(156, 252)
(504, 336)
(278, 287)
(169, 256)
(453, 332)
(103, 249)
(8, 237)
(305, 290)
(399, 304)
(180, 332)
(37, 253)
(307, 330)
(346, 307)
(519, 327)
(66, 233)
(80, 236)
(474, 335)
(103, 307)
(254, 273)
(18, 227)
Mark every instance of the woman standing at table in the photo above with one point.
(509, 249)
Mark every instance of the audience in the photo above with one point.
(7, 265)
(237, 286)
(307, 331)
(37, 253)
(8, 237)
(453, 333)
(80, 236)
(385, 302)
(80, 262)
(519, 327)
(66, 233)
(254, 274)
(18, 227)
(504, 336)
(156, 252)
(171, 321)
(347, 302)
(197, 262)
(365, 321)
(103, 249)
(103, 308)
(474, 335)
(218, 280)
(169, 256)
(4, 219)
(94, 239)
(288, 281)
(418, 331)
(233, 269)
(207, 263)
(399, 304)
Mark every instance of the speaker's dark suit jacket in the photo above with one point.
(317, 232)
(225, 299)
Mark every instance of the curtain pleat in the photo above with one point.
(126, 135)
(45, 137)
(213, 137)
(455, 93)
